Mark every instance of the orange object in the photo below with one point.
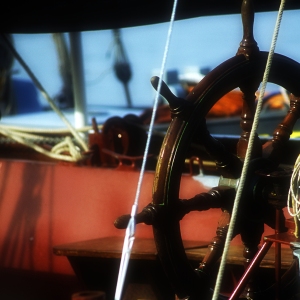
(229, 105)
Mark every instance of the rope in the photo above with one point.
(75, 154)
(29, 138)
(45, 130)
(45, 94)
(51, 141)
(67, 146)
(294, 196)
(248, 154)
(130, 231)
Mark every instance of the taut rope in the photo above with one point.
(248, 153)
(130, 231)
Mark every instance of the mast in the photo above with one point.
(78, 79)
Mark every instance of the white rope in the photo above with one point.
(294, 196)
(45, 94)
(130, 231)
(45, 130)
(22, 140)
(248, 154)
(67, 146)
(25, 137)
(21, 134)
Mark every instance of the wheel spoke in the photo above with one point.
(215, 248)
(228, 164)
(274, 149)
(247, 118)
(218, 197)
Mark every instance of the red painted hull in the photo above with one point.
(45, 204)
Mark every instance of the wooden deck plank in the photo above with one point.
(111, 247)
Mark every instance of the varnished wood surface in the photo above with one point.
(235, 256)
(285, 238)
(111, 247)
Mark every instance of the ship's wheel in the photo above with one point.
(187, 128)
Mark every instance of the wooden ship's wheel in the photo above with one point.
(187, 128)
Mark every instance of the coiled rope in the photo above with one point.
(248, 153)
(66, 145)
(31, 137)
(130, 231)
(294, 196)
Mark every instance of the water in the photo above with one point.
(202, 42)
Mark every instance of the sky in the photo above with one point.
(202, 42)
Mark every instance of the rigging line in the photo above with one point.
(130, 231)
(45, 94)
(248, 153)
